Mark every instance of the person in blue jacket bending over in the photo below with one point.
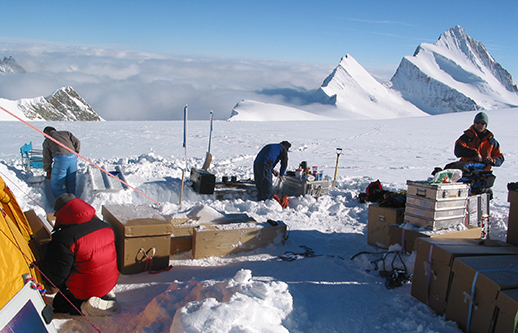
(264, 165)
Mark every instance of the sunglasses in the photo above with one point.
(480, 122)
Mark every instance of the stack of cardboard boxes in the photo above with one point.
(462, 276)
(472, 282)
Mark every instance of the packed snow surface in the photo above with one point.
(319, 289)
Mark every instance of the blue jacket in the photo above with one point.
(271, 154)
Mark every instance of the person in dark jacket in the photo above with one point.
(59, 162)
(478, 144)
(81, 259)
(264, 165)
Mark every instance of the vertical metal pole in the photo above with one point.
(185, 146)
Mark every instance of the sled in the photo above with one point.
(101, 182)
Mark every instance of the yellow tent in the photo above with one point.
(15, 253)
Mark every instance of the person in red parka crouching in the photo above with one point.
(81, 260)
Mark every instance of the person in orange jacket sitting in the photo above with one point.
(478, 144)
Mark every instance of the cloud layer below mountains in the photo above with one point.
(130, 85)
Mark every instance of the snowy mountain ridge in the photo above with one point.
(356, 94)
(64, 104)
(457, 73)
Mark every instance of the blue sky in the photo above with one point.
(376, 33)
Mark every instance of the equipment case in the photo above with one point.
(293, 186)
(203, 181)
(142, 236)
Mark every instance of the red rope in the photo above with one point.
(78, 155)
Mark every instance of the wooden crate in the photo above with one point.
(139, 228)
(183, 229)
(220, 240)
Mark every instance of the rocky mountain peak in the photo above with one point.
(9, 65)
(64, 104)
(456, 73)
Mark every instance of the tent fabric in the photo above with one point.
(15, 253)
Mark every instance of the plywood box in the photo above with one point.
(220, 240)
(407, 237)
(380, 218)
(181, 244)
(183, 229)
(140, 232)
(477, 282)
(433, 274)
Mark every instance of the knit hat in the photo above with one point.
(286, 144)
(48, 129)
(62, 200)
(481, 116)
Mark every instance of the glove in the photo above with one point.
(49, 173)
(478, 158)
(488, 160)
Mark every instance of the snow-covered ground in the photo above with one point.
(257, 291)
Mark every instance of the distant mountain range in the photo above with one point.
(454, 74)
(457, 73)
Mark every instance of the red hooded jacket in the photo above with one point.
(82, 254)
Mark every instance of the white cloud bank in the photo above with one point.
(130, 85)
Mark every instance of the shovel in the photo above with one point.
(208, 156)
(338, 153)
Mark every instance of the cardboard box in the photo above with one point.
(140, 232)
(41, 233)
(507, 305)
(407, 237)
(220, 240)
(433, 265)
(512, 225)
(476, 284)
(380, 218)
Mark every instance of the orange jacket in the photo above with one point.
(472, 143)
